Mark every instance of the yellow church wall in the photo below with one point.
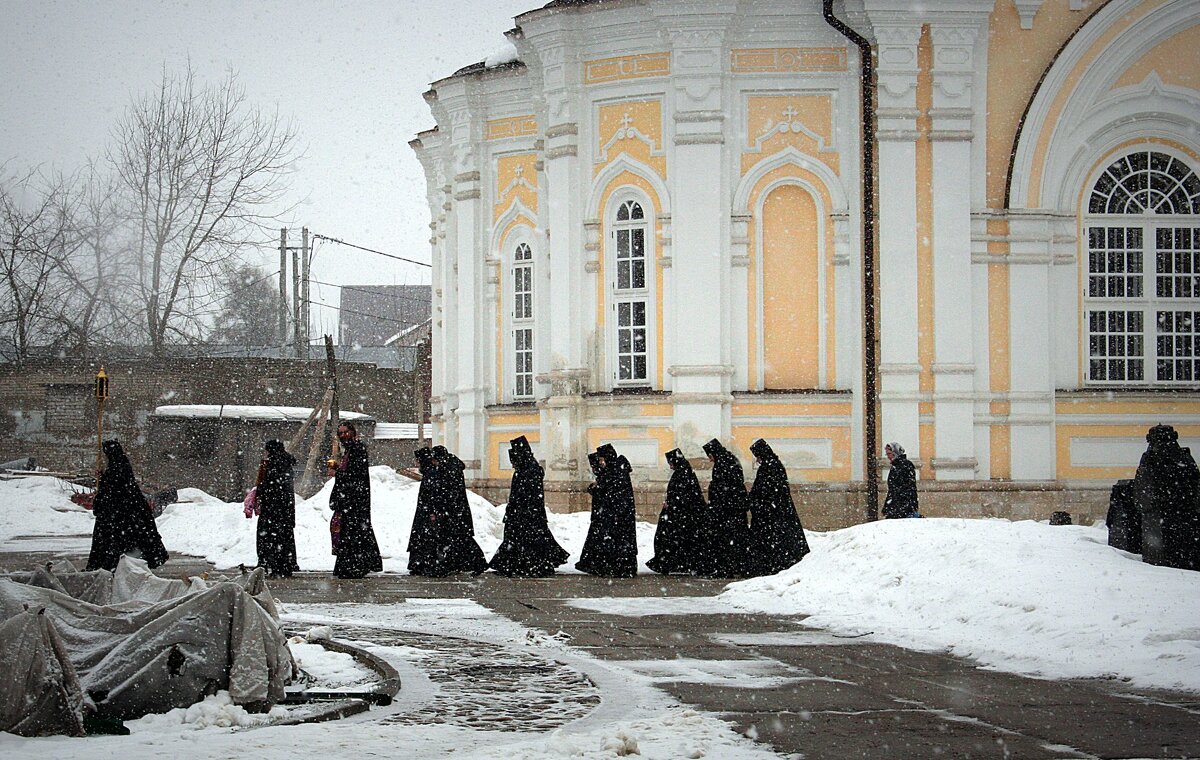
(924, 244)
(775, 60)
(775, 122)
(838, 436)
(664, 436)
(792, 409)
(1059, 101)
(796, 216)
(1174, 60)
(619, 127)
(1069, 426)
(516, 179)
(515, 126)
(999, 351)
(790, 289)
(497, 439)
(1016, 60)
(625, 67)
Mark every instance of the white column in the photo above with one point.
(953, 304)
(471, 303)
(899, 369)
(702, 280)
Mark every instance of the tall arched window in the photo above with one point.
(522, 321)
(1142, 302)
(631, 294)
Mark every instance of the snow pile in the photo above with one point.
(216, 710)
(1021, 597)
(506, 53)
(218, 531)
(331, 670)
(41, 506)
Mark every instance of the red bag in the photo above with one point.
(251, 503)
(335, 531)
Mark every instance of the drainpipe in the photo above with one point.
(870, 294)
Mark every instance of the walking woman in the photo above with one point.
(610, 550)
(123, 520)
(276, 501)
(778, 535)
(676, 545)
(528, 549)
(357, 549)
(901, 498)
(731, 548)
(455, 529)
(422, 542)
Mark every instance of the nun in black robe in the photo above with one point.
(422, 541)
(455, 528)
(610, 550)
(732, 546)
(276, 535)
(676, 547)
(123, 520)
(358, 551)
(528, 549)
(778, 535)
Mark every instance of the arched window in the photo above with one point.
(631, 294)
(522, 321)
(1142, 303)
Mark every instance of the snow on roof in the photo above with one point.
(397, 431)
(244, 412)
(507, 53)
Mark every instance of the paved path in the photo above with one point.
(797, 689)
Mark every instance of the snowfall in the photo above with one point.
(1022, 597)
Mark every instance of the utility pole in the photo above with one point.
(306, 327)
(297, 351)
(331, 379)
(282, 290)
(419, 391)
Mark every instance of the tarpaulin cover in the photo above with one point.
(41, 694)
(155, 644)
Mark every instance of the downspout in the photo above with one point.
(870, 294)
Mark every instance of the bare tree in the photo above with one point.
(201, 172)
(35, 239)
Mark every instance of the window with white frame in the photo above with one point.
(631, 294)
(522, 321)
(1142, 298)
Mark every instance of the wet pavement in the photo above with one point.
(796, 689)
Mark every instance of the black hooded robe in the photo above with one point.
(123, 520)
(422, 539)
(1166, 489)
(358, 551)
(731, 549)
(610, 550)
(276, 536)
(778, 534)
(901, 500)
(529, 549)
(457, 549)
(676, 538)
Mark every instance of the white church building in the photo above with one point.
(970, 226)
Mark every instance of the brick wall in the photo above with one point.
(47, 410)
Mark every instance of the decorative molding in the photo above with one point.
(694, 117)
(467, 195)
(562, 151)
(626, 67)
(591, 267)
(664, 262)
(951, 368)
(716, 139)
(1027, 9)
(739, 261)
(516, 126)
(559, 130)
(700, 370)
(467, 177)
(767, 60)
(954, 463)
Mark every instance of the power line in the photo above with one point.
(315, 236)
(389, 296)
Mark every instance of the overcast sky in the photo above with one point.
(349, 75)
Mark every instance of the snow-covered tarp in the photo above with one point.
(155, 645)
(246, 412)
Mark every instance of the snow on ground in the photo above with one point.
(632, 718)
(1023, 597)
(207, 527)
(41, 506)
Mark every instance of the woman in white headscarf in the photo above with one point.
(901, 498)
